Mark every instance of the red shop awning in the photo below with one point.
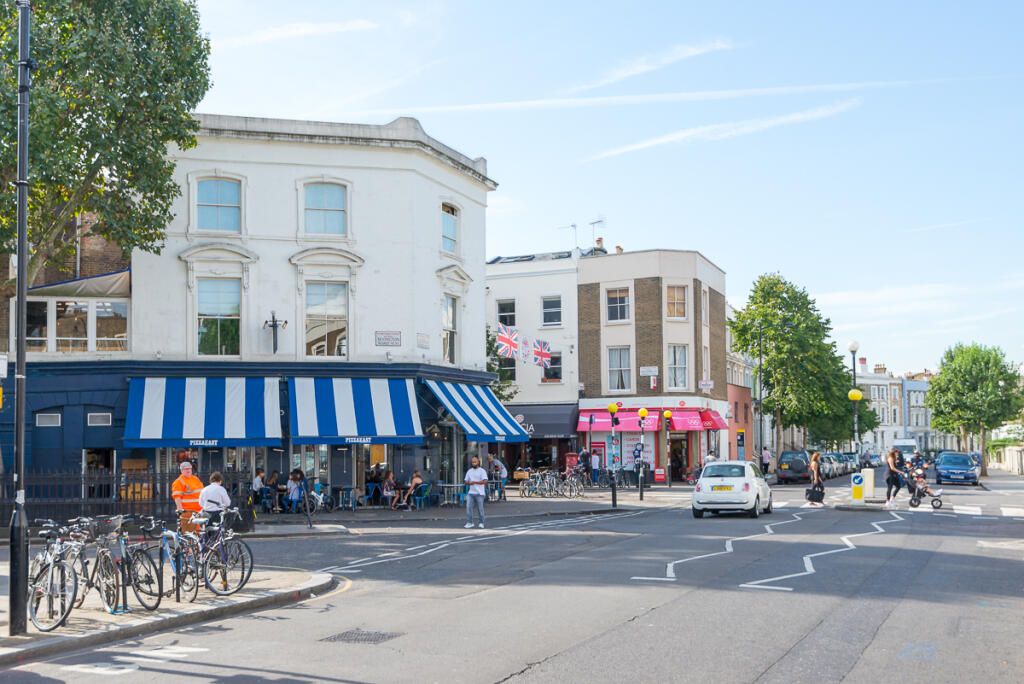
(687, 420)
(712, 421)
(628, 422)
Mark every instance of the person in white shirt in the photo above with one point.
(476, 478)
(497, 467)
(214, 498)
(257, 482)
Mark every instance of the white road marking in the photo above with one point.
(987, 517)
(670, 568)
(415, 548)
(946, 515)
(967, 510)
(1006, 510)
(809, 565)
(355, 566)
(101, 668)
(329, 568)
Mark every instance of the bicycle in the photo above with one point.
(137, 567)
(104, 575)
(54, 583)
(174, 549)
(224, 561)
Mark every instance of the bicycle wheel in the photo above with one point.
(603, 482)
(108, 581)
(145, 578)
(240, 549)
(51, 595)
(186, 576)
(81, 565)
(329, 503)
(224, 568)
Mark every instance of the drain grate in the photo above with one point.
(359, 636)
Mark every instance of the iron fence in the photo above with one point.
(61, 496)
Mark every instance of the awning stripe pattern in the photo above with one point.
(354, 411)
(478, 411)
(203, 412)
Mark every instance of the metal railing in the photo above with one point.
(62, 496)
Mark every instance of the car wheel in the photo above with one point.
(768, 509)
(755, 510)
(697, 513)
(938, 480)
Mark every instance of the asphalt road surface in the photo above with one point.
(802, 595)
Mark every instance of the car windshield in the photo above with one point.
(723, 470)
(956, 460)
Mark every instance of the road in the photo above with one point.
(802, 595)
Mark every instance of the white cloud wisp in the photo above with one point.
(732, 129)
(649, 63)
(290, 31)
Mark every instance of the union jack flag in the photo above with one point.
(508, 341)
(542, 353)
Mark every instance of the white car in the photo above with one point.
(731, 486)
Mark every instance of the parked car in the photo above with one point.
(876, 461)
(955, 466)
(731, 486)
(793, 467)
(829, 467)
(842, 465)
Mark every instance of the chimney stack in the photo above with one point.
(600, 243)
(618, 249)
(880, 368)
(863, 363)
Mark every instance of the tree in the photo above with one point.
(502, 386)
(976, 388)
(116, 84)
(835, 423)
(799, 363)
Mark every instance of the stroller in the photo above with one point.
(918, 487)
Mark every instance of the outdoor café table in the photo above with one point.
(450, 494)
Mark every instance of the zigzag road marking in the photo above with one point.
(357, 566)
(670, 568)
(809, 566)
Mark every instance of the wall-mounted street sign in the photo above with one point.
(648, 371)
(706, 385)
(422, 341)
(387, 338)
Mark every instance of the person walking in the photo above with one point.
(817, 481)
(476, 478)
(185, 491)
(766, 460)
(893, 481)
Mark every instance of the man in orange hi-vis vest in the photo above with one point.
(185, 491)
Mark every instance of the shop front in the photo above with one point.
(552, 435)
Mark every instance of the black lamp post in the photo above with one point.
(855, 395)
(19, 522)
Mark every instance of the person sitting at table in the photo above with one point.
(415, 482)
(273, 487)
(294, 490)
(257, 486)
(388, 490)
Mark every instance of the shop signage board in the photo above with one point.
(422, 341)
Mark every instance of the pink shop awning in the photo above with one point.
(628, 422)
(712, 420)
(687, 420)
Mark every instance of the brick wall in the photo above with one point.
(649, 330)
(589, 313)
(98, 256)
(716, 319)
(698, 334)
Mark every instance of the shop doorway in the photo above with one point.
(97, 465)
(679, 449)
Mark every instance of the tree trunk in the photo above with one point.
(984, 456)
(962, 439)
(778, 432)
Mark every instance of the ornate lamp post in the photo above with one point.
(855, 394)
(613, 409)
(640, 467)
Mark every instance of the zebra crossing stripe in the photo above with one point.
(1012, 512)
(967, 510)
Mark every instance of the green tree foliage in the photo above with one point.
(835, 424)
(975, 390)
(502, 386)
(116, 85)
(801, 369)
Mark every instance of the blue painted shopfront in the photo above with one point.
(77, 412)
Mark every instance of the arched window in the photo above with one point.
(325, 209)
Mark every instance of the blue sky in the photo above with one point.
(870, 152)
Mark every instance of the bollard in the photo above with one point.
(614, 499)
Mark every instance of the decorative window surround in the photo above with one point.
(192, 227)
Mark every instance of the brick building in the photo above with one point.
(652, 334)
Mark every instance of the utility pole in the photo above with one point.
(18, 596)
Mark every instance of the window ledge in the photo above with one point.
(324, 237)
(551, 326)
(551, 382)
(627, 321)
(223, 233)
(677, 320)
(451, 255)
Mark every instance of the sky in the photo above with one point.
(872, 152)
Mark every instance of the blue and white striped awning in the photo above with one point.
(478, 411)
(208, 412)
(354, 411)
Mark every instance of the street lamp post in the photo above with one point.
(613, 409)
(668, 446)
(855, 399)
(18, 589)
(640, 468)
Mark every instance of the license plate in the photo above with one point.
(957, 477)
(784, 466)
(722, 488)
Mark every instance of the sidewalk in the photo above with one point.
(594, 501)
(91, 625)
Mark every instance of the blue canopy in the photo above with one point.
(354, 411)
(478, 411)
